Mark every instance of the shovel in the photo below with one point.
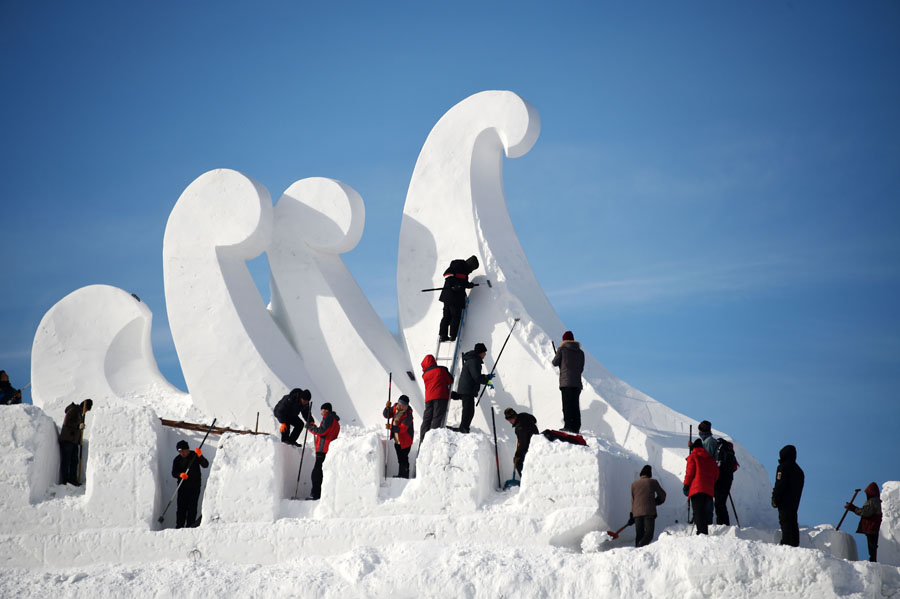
(615, 535)
(511, 482)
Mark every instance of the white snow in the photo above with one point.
(450, 531)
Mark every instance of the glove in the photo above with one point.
(773, 503)
(81, 426)
(685, 489)
(183, 476)
(388, 426)
(630, 518)
(849, 507)
(282, 428)
(310, 424)
(387, 404)
(490, 382)
(198, 452)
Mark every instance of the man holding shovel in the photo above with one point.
(526, 427)
(646, 494)
(187, 468)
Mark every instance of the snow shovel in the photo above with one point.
(511, 482)
(615, 535)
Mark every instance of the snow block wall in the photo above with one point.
(29, 458)
(246, 480)
(351, 475)
(889, 536)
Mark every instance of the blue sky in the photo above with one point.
(712, 206)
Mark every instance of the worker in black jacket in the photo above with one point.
(293, 412)
(453, 295)
(526, 426)
(786, 495)
(470, 381)
(186, 467)
(8, 395)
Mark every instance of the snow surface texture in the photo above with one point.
(889, 537)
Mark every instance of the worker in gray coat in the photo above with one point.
(570, 360)
(646, 494)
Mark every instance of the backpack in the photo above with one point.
(727, 460)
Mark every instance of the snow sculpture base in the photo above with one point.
(889, 536)
(246, 481)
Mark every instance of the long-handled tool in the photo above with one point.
(496, 448)
(838, 527)
(690, 443)
(615, 535)
(513, 482)
(302, 454)
(388, 442)
(441, 288)
(162, 516)
(494, 369)
(734, 509)
(81, 439)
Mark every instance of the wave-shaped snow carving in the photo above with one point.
(456, 207)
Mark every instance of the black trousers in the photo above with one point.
(644, 527)
(186, 513)
(468, 412)
(790, 529)
(295, 427)
(317, 475)
(702, 504)
(435, 412)
(723, 488)
(449, 326)
(571, 409)
(872, 542)
(402, 460)
(68, 457)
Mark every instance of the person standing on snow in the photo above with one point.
(325, 433)
(526, 427)
(438, 381)
(870, 518)
(453, 295)
(402, 431)
(71, 435)
(8, 395)
(704, 431)
(728, 465)
(786, 495)
(699, 484)
(293, 410)
(570, 360)
(470, 381)
(646, 494)
(186, 467)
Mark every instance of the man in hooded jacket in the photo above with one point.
(470, 381)
(402, 431)
(870, 518)
(570, 360)
(289, 410)
(71, 436)
(453, 295)
(325, 433)
(699, 484)
(438, 381)
(786, 495)
(525, 426)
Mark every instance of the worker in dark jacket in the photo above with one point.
(8, 395)
(325, 433)
(402, 431)
(870, 518)
(293, 412)
(526, 427)
(646, 494)
(786, 495)
(699, 484)
(453, 295)
(570, 360)
(71, 435)
(438, 381)
(186, 467)
(470, 381)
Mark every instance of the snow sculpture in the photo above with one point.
(889, 535)
(456, 207)
(95, 342)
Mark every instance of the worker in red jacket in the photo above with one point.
(324, 434)
(438, 381)
(402, 431)
(870, 518)
(700, 483)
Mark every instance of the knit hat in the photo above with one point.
(509, 413)
(705, 426)
(326, 406)
(647, 471)
(568, 336)
(698, 443)
(480, 348)
(182, 445)
(403, 400)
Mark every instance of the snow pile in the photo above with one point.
(30, 456)
(246, 481)
(675, 566)
(889, 537)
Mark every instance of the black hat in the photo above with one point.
(326, 406)
(480, 348)
(509, 413)
(705, 426)
(472, 262)
(305, 395)
(647, 471)
(403, 400)
(182, 445)
(698, 442)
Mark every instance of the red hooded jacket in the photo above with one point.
(702, 472)
(870, 512)
(326, 432)
(402, 427)
(437, 379)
